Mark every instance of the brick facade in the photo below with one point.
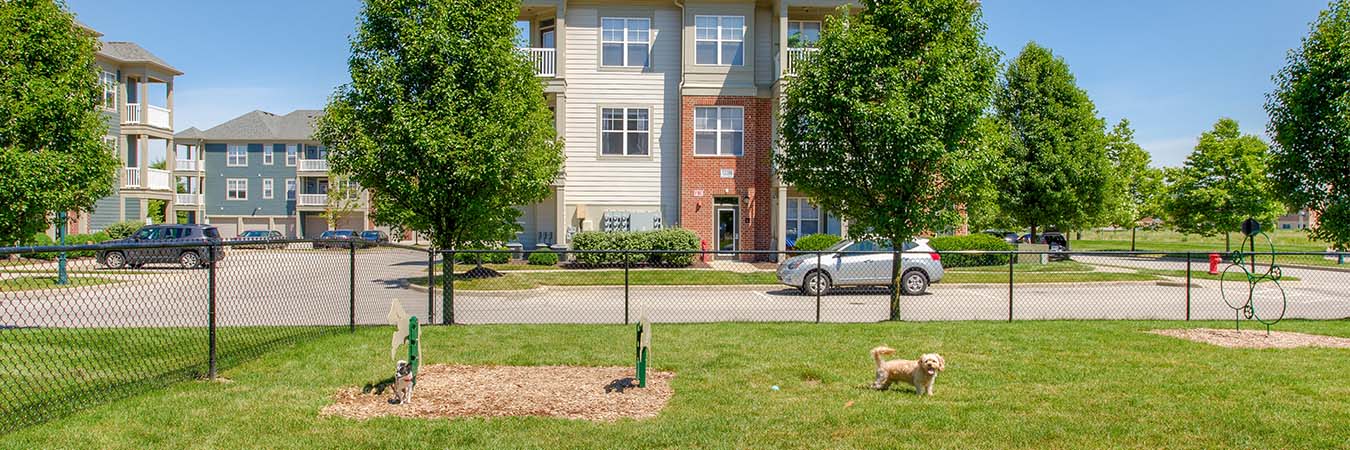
(701, 179)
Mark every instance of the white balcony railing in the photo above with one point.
(189, 199)
(314, 165)
(313, 200)
(190, 165)
(131, 176)
(133, 114)
(544, 60)
(159, 179)
(796, 56)
(156, 116)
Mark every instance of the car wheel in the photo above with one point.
(189, 260)
(115, 260)
(816, 283)
(915, 282)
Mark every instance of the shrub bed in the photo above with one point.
(120, 230)
(543, 258)
(816, 242)
(981, 241)
(670, 239)
(500, 255)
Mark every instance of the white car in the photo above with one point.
(863, 263)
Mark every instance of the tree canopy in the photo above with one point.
(52, 156)
(1222, 183)
(1310, 123)
(443, 121)
(1058, 171)
(1138, 189)
(877, 121)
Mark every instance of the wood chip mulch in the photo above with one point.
(1255, 338)
(448, 391)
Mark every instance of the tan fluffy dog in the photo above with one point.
(920, 373)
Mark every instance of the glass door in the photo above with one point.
(727, 232)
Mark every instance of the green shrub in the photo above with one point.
(122, 229)
(500, 255)
(979, 241)
(816, 242)
(543, 258)
(39, 240)
(85, 239)
(594, 240)
(673, 239)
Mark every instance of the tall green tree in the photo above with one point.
(1222, 184)
(344, 196)
(1137, 189)
(52, 156)
(1310, 122)
(877, 123)
(1058, 171)
(444, 121)
(982, 203)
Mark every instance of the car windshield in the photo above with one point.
(868, 245)
(370, 234)
(255, 233)
(336, 233)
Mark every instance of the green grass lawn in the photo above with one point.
(1056, 266)
(27, 283)
(1025, 384)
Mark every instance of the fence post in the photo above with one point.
(1012, 259)
(351, 286)
(448, 290)
(625, 287)
(1188, 286)
(819, 271)
(211, 313)
(431, 285)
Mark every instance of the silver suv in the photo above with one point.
(863, 263)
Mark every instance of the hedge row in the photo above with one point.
(122, 229)
(971, 242)
(670, 239)
(500, 255)
(543, 258)
(41, 239)
(816, 242)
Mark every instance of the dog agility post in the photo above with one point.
(643, 350)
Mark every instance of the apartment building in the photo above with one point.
(668, 114)
(263, 171)
(137, 105)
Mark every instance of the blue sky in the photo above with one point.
(1171, 67)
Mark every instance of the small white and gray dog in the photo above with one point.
(403, 383)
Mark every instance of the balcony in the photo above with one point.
(313, 165)
(151, 115)
(159, 179)
(312, 200)
(188, 199)
(189, 165)
(131, 177)
(796, 56)
(544, 60)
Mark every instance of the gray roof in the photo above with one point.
(298, 125)
(129, 52)
(192, 133)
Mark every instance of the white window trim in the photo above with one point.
(794, 223)
(820, 28)
(268, 187)
(624, 132)
(267, 154)
(109, 81)
(291, 188)
(230, 160)
(625, 42)
(719, 40)
(292, 154)
(717, 151)
(231, 189)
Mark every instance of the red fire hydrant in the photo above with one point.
(1214, 260)
(703, 244)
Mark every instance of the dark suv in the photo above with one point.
(186, 257)
(375, 237)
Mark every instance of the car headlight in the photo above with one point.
(794, 265)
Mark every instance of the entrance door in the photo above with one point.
(728, 234)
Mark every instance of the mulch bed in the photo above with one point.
(1255, 338)
(448, 391)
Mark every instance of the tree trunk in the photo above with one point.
(1133, 232)
(1227, 242)
(895, 279)
(1031, 238)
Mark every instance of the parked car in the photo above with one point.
(374, 237)
(261, 235)
(186, 257)
(1057, 242)
(1006, 236)
(335, 239)
(869, 266)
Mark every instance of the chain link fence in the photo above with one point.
(113, 320)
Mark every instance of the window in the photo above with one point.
(719, 40)
(624, 131)
(110, 142)
(803, 218)
(267, 154)
(803, 33)
(719, 131)
(236, 189)
(109, 81)
(292, 153)
(625, 42)
(290, 189)
(236, 155)
(267, 188)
